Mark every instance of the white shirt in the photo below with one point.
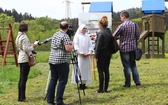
(24, 47)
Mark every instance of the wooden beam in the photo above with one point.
(85, 3)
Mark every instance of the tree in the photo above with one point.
(8, 12)
(1, 10)
(20, 17)
(6, 20)
(15, 15)
(134, 13)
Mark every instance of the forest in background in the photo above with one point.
(41, 28)
(18, 17)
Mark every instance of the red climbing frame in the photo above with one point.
(4, 45)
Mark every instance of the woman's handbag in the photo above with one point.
(115, 46)
(32, 60)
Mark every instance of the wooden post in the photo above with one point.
(93, 65)
(153, 34)
(163, 45)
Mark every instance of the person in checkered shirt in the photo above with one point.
(59, 59)
(128, 33)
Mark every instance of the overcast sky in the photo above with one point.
(56, 8)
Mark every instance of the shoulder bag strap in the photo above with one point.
(135, 34)
(18, 42)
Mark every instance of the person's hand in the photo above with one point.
(69, 47)
(86, 55)
(34, 45)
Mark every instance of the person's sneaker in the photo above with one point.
(138, 84)
(84, 87)
(25, 100)
(80, 88)
(126, 85)
(99, 91)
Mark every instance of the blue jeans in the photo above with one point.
(59, 72)
(129, 64)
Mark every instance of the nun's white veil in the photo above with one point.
(79, 30)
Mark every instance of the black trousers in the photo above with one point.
(24, 72)
(103, 70)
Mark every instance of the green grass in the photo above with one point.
(9, 76)
(153, 91)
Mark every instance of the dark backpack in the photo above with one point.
(114, 45)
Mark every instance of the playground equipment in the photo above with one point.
(153, 29)
(7, 47)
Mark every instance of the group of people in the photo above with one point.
(60, 55)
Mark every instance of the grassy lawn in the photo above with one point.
(153, 91)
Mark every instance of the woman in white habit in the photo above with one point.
(83, 48)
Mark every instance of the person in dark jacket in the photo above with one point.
(103, 54)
